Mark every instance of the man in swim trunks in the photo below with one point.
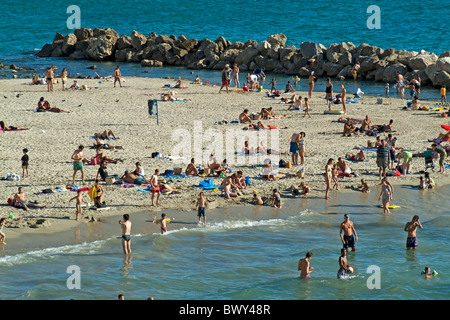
(155, 187)
(342, 272)
(126, 231)
(382, 158)
(78, 163)
(312, 79)
(293, 149)
(23, 202)
(349, 237)
(411, 227)
(50, 75)
(303, 266)
(225, 78)
(117, 76)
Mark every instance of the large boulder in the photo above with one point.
(105, 32)
(263, 47)
(83, 33)
(422, 61)
(222, 44)
(246, 56)
(189, 44)
(268, 64)
(345, 58)
(124, 54)
(68, 46)
(138, 40)
(277, 39)
(181, 52)
(441, 78)
(124, 42)
(274, 52)
(332, 69)
(368, 64)
(443, 64)
(229, 55)
(78, 55)
(310, 49)
(46, 50)
(390, 73)
(404, 56)
(286, 53)
(101, 48)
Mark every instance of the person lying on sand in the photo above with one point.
(273, 116)
(130, 177)
(442, 137)
(102, 156)
(360, 156)
(99, 144)
(23, 202)
(260, 126)
(10, 128)
(264, 150)
(105, 135)
(166, 189)
(44, 106)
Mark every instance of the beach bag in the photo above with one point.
(10, 201)
(110, 180)
(288, 165)
(155, 154)
(282, 163)
(94, 161)
(247, 181)
(168, 173)
(177, 171)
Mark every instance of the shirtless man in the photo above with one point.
(229, 180)
(399, 82)
(244, 117)
(22, 199)
(191, 169)
(342, 272)
(49, 75)
(293, 149)
(344, 92)
(365, 125)
(130, 177)
(126, 231)
(155, 187)
(303, 266)
(411, 227)
(297, 105)
(344, 168)
(78, 163)
(117, 76)
(349, 237)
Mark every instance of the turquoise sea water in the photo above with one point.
(243, 258)
(240, 258)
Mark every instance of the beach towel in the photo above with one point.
(92, 193)
(207, 185)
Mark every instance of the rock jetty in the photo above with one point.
(335, 60)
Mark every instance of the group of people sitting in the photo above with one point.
(366, 127)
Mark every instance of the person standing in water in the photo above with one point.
(411, 227)
(349, 237)
(303, 266)
(126, 233)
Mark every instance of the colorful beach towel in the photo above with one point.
(207, 185)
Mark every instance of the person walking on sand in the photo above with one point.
(50, 75)
(78, 163)
(347, 233)
(343, 94)
(411, 227)
(304, 267)
(79, 201)
(117, 76)
(201, 206)
(225, 78)
(126, 233)
(155, 187)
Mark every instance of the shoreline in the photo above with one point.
(100, 109)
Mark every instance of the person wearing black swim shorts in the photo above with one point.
(348, 234)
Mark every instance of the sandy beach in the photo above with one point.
(53, 137)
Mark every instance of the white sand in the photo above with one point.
(52, 138)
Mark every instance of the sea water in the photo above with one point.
(413, 26)
(251, 253)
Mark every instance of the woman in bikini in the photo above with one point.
(329, 93)
(44, 106)
(235, 72)
(312, 80)
(385, 195)
(301, 148)
(10, 128)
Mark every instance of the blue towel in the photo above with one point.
(207, 185)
